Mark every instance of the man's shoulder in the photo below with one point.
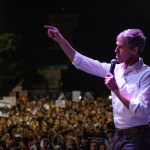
(145, 72)
(146, 68)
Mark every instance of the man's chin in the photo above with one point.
(119, 60)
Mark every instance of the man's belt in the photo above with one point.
(131, 130)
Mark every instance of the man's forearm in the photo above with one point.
(124, 98)
(67, 48)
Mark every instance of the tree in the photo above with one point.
(13, 65)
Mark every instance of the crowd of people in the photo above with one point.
(42, 124)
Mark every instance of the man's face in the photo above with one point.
(45, 143)
(94, 146)
(123, 52)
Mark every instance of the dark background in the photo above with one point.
(98, 24)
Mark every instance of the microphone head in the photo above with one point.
(112, 67)
(114, 61)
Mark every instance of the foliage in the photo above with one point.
(13, 64)
(10, 73)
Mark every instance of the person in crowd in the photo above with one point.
(128, 79)
(45, 144)
(71, 144)
(103, 147)
(94, 145)
(85, 144)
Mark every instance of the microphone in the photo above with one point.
(112, 67)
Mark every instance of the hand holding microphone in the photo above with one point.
(110, 80)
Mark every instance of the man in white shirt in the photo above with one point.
(129, 84)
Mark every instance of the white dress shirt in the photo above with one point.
(134, 81)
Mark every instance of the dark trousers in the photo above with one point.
(149, 137)
(138, 140)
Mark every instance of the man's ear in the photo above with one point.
(135, 50)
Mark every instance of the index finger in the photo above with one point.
(48, 27)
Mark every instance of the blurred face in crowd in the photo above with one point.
(102, 147)
(94, 146)
(71, 145)
(65, 124)
(45, 144)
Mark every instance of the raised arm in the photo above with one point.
(54, 34)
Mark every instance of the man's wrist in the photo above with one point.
(116, 90)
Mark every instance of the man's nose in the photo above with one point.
(116, 49)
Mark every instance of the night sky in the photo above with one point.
(92, 33)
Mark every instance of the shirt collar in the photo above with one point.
(135, 67)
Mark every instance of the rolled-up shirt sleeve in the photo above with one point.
(90, 65)
(141, 104)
